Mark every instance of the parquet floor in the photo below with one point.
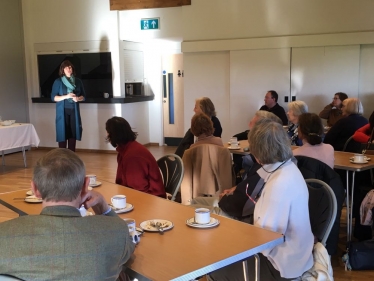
(13, 176)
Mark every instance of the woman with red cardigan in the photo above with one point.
(137, 168)
(363, 134)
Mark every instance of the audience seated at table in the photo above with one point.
(206, 106)
(234, 202)
(59, 244)
(347, 126)
(295, 109)
(137, 168)
(333, 111)
(311, 132)
(365, 133)
(280, 207)
(244, 162)
(202, 128)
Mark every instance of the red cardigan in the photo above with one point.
(362, 135)
(138, 169)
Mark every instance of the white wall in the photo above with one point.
(166, 40)
(222, 19)
(13, 99)
(74, 23)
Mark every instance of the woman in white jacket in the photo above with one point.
(282, 207)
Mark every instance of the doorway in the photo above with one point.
(172, 98)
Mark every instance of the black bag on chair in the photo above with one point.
(360, 255)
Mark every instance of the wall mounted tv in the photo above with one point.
(94, 69)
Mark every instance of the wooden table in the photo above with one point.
(242, 144)
(17, 135)
(183, 253)
(342, 162)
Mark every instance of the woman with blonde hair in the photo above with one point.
(206, 106)
(343, 129)
(295, 109)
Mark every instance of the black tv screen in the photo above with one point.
(94, 69)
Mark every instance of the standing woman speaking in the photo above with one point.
(67, 91)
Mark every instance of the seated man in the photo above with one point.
(59, 244)
(271, 105)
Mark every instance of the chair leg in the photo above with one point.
(257, 268)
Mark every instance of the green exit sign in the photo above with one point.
(150, 24)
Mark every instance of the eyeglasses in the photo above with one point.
(254, 201)
(335, 98)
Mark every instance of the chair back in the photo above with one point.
(172, 171)
(207, 171)
(8, 278)
(322, 208)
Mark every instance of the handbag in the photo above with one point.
(360, 255)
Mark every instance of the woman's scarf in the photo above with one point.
(69, 82)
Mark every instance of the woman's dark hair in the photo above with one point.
(342, 96)
(201, 124)
(64, 64)
(310, 126)
(119, 131)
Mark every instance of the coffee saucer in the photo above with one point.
(129, 207)
(234, 148)
(366, 158)
(213, 222)
(33, 199)
(96, 184)
(363, 162)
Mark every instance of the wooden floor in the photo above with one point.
(13, 176)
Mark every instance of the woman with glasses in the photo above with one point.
(352, 120)
(333, 111)
(137, 168)
(279, 207)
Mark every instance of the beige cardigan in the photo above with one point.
(207, 170)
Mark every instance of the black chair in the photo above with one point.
(322, 208)
(172, 171)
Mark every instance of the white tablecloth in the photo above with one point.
(18, 135)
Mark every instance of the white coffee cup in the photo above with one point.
(83, 211)
(106, 95)
(234, 145)
(233, 139)
(202, 216)
(119, 201)
(92, 179)
(359, 158)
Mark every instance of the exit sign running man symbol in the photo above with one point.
(150, 24)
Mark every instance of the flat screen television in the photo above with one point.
(94, 69)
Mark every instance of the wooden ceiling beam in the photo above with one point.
(146, 4)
